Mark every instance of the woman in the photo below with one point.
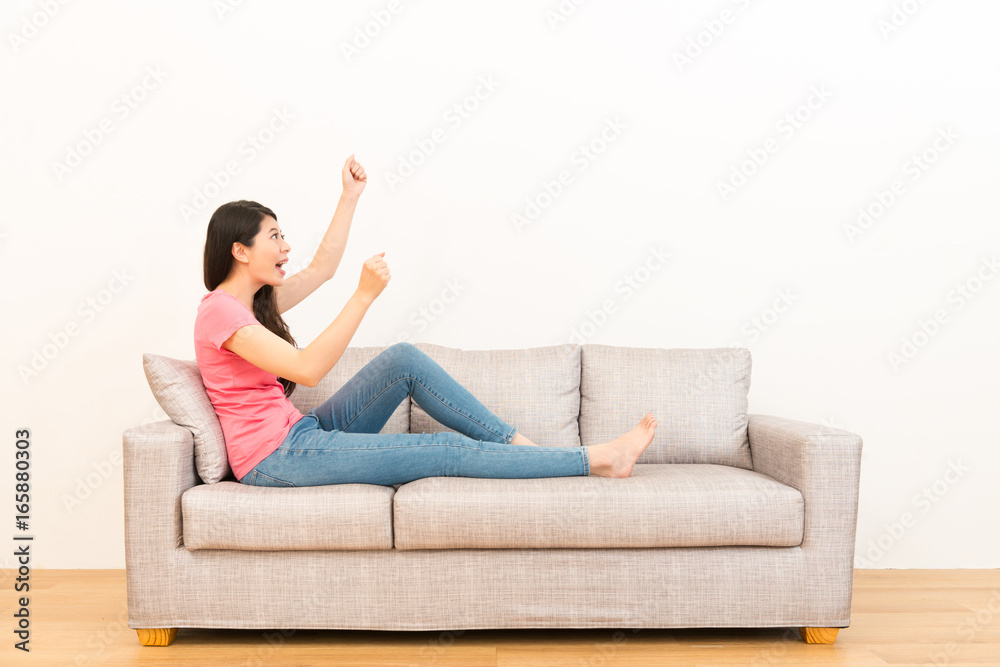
(250, 364)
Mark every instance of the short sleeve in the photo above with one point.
(223, 318)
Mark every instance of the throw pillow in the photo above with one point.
(179, 390)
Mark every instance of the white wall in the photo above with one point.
(884, 100)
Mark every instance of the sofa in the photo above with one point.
(729, 519)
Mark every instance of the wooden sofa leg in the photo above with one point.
(819, 635)
(156, 636)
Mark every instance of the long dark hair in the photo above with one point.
(239, 222)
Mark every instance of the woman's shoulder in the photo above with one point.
(221, 305)
(211, 302)
(219, 315)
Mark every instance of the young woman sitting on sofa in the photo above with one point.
(250, 364)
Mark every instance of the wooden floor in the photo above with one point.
(899, 617)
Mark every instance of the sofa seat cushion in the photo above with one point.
(660, 505)
(230, 515)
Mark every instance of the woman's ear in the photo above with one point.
(239, 252)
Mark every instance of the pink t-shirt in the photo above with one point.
(254, 412)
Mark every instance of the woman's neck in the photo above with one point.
(240, 289)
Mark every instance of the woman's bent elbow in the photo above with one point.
(305, 374)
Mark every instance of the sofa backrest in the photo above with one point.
(558, 396)
(353, 360)
(536, 390)
(698, 396)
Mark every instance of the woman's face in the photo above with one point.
(268, 252)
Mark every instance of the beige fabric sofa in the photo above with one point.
(729, 519)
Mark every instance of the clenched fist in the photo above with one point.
(354, 177)
(374, 277)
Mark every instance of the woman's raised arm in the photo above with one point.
(331, 249)
(309, 365)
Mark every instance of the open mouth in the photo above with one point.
(280, 270)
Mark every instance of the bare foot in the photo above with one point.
(617, 458)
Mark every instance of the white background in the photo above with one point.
(769, 267)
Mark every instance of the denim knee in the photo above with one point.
(402, 351)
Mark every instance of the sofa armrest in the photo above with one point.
(158, 468)
(823, 463)
(158, 462)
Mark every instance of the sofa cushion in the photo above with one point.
(353, 360)
(536, 390)
(698, 396)
(660, 505)
(230, 515)
(177, 386)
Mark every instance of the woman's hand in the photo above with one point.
(355, 178)
(374, 277)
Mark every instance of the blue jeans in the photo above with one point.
(339, 442)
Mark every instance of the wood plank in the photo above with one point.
(927, 578)
(899, 617)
